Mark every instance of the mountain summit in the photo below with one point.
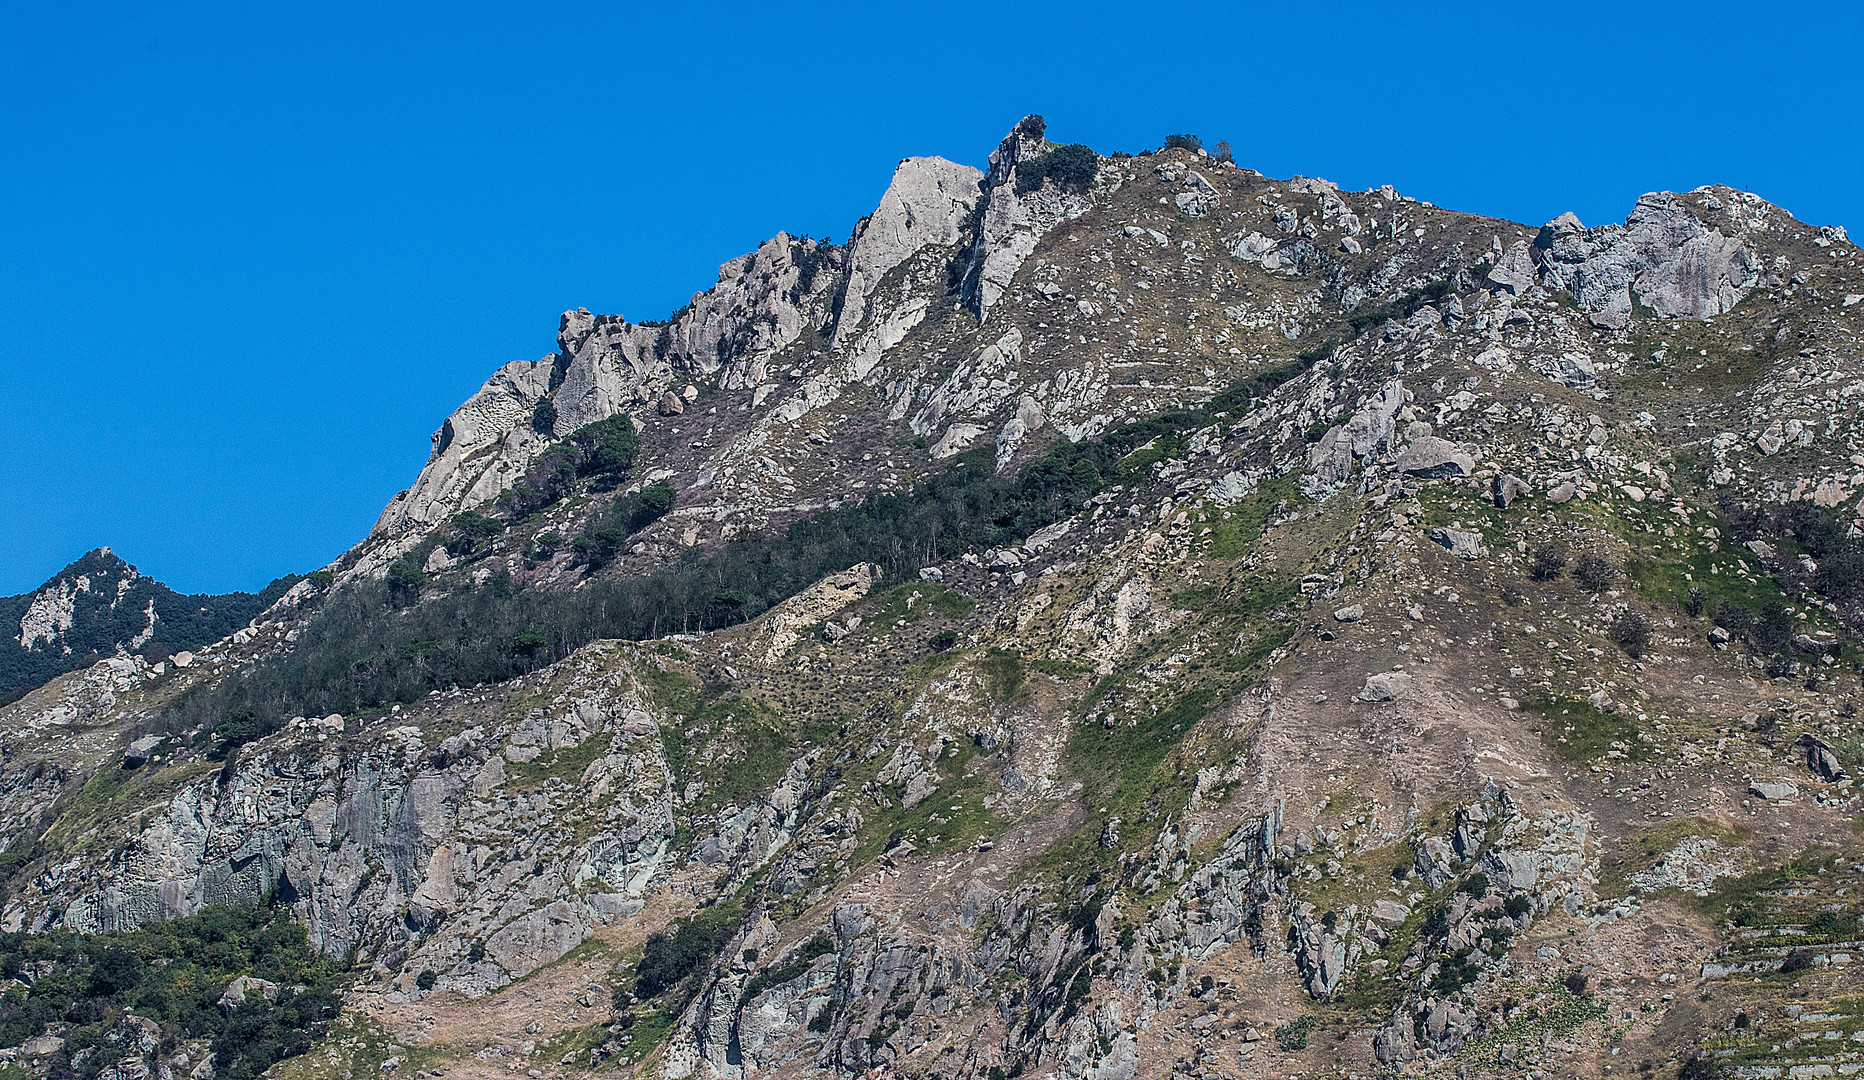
(1116, 616)
(100, 606)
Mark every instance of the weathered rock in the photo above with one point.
(1434, 459)
(1773, 789)
(1821, 757)
(1386, 686)
(1506, 488)
(1462, 543)
(1349, 613)
(670, 404)
(238, 991)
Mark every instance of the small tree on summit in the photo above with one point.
(1032, 127)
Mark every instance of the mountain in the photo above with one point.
(100, 606)
(1115, 616)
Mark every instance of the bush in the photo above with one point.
(1773, 631)
(1293, 1034)
(1594, 572)
(1577, 983)
(1072, 168)
(605, 534)
(1632, 633)
(1734, 618)
(1796, 961)
(426, 980)
(1183, 142)
(405, 579)
(1693, 603)
(601, 453)
(942, 640)
(667, 959)
(1546, 563)
(544, 417)
(1477, 885)
(1032, 127)
(1222, 151)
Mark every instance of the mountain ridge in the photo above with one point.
(1167, 622)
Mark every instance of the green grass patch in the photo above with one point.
(1578, 733)
(566, 764)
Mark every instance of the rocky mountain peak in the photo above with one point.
(1117, 616)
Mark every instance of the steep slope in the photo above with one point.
(100, 606)
(1135, 617)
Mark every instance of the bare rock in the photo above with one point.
(1433, 458)
(1350, 613)
(1386, 686)
(1821, 757)
(1773, 789)
(1461, 543)
(1506, 488)
(671, 405)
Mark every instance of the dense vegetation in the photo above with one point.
(100, 629)
(1072, 168)
(174, 974)
(370, 645)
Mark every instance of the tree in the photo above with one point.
(1184, 142)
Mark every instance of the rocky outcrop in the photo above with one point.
(1664, 253)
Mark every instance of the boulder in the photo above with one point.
(1821, 757)
(1386, 686)
(671, 405)
(137, 754)
(236, 992)
(1506, 488)
(1772, 789)
(1387, 912)
(1461, 543)
(1433, 459)
(1350, 613)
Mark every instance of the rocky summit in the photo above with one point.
(1114, 616)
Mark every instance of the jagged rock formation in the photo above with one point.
(1455, 673)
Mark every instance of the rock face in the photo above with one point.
(1664, 253)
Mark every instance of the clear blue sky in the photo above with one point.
(251, 255)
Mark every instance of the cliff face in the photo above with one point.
(1454, 671)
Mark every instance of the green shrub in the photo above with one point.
(1293, 1034)
(605, 535)
(544, 417)
(668, 959)
(1072, 168)
(426, 980)
(405, 579)
(1183, 142)
(942, 640)
(173, 972)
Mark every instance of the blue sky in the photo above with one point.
(252, 255)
